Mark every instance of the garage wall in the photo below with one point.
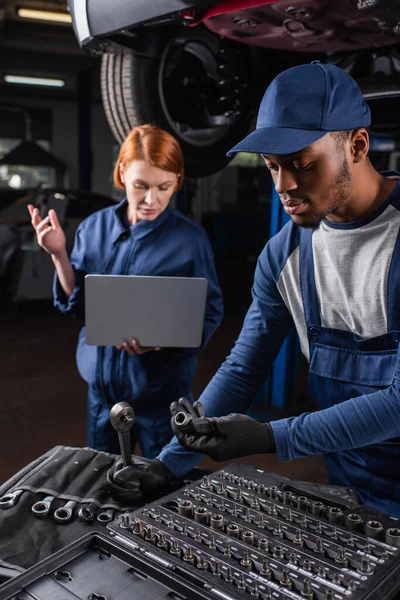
(65, 139)
(102, 145)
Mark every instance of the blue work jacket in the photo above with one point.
(355, 380)
(171, 245)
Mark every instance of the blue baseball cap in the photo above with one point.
(301, 105)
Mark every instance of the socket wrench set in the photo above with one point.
(237, 534)
(242, 533)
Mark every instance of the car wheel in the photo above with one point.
(196, 85)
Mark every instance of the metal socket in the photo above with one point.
(392, 536)
(263, 543)
(335, 514)
(126, 521)
(373, 529)
(287, 497)
(307, 591)
(233, 530)
(246, 560)
(285, 580)
(150, 535)
(273, 491)
(216, 521)
(206, 483)
(277, 552)
(341, 557)
(248, 537)
(162, 542)
(317, 508)
(185, 508)
(175, 549)
(365, 567)
(352, 521)
(302, 502)
(182, 419)
(202, 564)
(188, 555)
(201, 515)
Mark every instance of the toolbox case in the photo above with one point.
(96, 567)
(77, 474)
(127, 561)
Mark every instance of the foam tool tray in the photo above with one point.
(243, 534)
(95, 567)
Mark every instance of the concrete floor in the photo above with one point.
(43, 398)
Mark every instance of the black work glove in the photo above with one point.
(221, 438)
(145, 478)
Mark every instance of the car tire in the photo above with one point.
(194, 84)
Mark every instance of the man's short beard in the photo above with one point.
(337, 192)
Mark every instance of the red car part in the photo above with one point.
(226, 6)
(301, 25)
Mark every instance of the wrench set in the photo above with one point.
(242, 533)
(42, 509)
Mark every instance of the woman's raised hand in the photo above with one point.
(49, 233)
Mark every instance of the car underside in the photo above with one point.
(199, 68)
(301, 25)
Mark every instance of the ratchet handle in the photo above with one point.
(124, 439)
(122, 418)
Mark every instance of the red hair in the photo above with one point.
(156, 146)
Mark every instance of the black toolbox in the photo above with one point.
(95, 567)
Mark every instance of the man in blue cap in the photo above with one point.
(333, 271)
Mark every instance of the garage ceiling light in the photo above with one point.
(45, 81)
(44, 15)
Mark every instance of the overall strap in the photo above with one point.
(393, 283)
(307, 280)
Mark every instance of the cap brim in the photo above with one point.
(277, 140)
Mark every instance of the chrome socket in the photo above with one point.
(185, 508)
(335, 514)
(392, 536)
(373, 529)
(248, 537)
(182, 419)
(201, 515)
(317, 508)
(352, 521)
(216, 521)
(233, 530)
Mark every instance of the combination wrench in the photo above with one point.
(106, 516)
(10, 499)
(87, 513)
(64, 513)
(41, 509)
(122, 418)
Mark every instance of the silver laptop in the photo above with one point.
(156, 311)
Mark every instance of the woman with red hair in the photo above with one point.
(142, 235)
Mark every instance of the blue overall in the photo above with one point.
(170, 245)
(343, 367)
(354, 379)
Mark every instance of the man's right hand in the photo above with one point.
(145, 478)
(49, 233)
